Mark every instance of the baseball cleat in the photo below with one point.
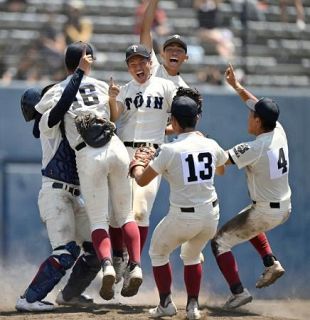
(108, 280)
(80, 301)
(238, 300)
(132, 281)
(270, 275)
(160, 311)
(38, 306)
(192, 310)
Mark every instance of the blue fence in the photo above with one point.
(224, 119)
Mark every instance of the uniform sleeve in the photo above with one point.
(122, 95)
(49, 100)
(50, 133)
(245, 154)
(221, 155)
(170, 93)
(161, 160)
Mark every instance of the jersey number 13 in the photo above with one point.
(197, 167)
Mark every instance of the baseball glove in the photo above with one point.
(142, 157)
(95, 131)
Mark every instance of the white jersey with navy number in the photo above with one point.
(189, 164)
(92, 96)
(145, 110)
(158, 70)
(266, 162)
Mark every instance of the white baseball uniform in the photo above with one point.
(146, 108)
(62, 208)
(102, 171)
(188, 164)
(266, 164)
(158, 70)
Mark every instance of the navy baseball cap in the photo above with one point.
(266, 109)
(175, 39)
(137, 50)
(183, 106)
(74, 53)
(28, 101)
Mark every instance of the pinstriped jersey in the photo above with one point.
(145, 110)
(188, 164)
(266, 162)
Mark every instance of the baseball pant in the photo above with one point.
(250, 222)
(143, 197)
(63, 214)
(191, 230)
(103, 174)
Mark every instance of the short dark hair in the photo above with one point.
(74, 53)
(267, 125)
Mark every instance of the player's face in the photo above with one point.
(253, 124)
(173, 56)
(139, 68)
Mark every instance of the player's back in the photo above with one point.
(191, 161)
(268, 174)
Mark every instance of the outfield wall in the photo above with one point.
(23, 236)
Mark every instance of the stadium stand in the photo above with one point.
(269, 53)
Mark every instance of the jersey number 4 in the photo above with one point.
(197, 167)
(278, 162)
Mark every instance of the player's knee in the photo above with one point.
(218, 246)
(190, 259)
(67, 254)
(158, 259)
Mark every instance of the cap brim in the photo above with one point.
(251, 104)
(138, 54)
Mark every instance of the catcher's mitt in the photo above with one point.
(95, 131)
(142, 157)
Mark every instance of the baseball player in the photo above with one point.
(62, 211)
(102, 171)
(189, 164)
(266, 164)
(142, 107)
(174, 52)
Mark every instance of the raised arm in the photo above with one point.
(243, 93)
(146, 26)
(68, 95)
(115, 106)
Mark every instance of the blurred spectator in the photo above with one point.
(253, 10)
(160, 28)
(300, 13)
(210, 29)
(15, 5)
(77, 27)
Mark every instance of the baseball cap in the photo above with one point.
(137, 50)
(28, 101)
(266, 108)
(175, 39)
(74, 53)
(183, 106)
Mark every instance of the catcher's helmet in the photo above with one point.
(28, 101)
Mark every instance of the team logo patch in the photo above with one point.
(241, 149)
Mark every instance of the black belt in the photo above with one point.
(192, 209)
(73, 191)
(80, 146)
(273, 205)
(140, 144)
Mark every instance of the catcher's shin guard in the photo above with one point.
(83, 273)
(49, 274)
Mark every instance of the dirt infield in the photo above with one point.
(257, 310)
